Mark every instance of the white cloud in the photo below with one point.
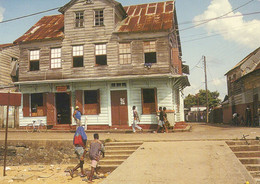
(219, 82)
(2, 10)
(235, 29)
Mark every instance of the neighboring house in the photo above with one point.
(196, 114)
(9, 54)
(104, 58)
(243, 82)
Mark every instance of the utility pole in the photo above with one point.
(206, 87)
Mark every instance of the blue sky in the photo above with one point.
(224, 42)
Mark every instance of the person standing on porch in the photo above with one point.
(77, 116)
(248, 116)
(136, 119)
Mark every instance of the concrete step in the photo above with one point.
(107, 168)
(255, 174)
(111, 162)
(252, 167)
(123, 147)
(115, 157)
(250, 160)
(124, 143)
(121, 152)
(243, 142)
(246, 154)
(245, 147)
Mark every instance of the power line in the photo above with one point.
(232, 16)
(216, 17)
(196, 64)
(25, 16)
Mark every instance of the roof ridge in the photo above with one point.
(150, 3)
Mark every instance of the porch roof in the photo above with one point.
(118, 78)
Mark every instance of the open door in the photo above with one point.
(51, 109)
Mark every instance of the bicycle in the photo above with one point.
(36, 126)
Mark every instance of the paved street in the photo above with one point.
(200, 156)
(200, 131)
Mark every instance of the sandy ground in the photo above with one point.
(43, 174)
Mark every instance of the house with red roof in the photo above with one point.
(103, 58)
(243, 83)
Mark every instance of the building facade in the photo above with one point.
(9, 54)
(243, 82)
(104, 58)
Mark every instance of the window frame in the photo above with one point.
(92, 108)
(149, 50)
(149, 108)
(55, 58)
(37, 59)
(100, 54)
(129, 60)
(76, 56)
(40, 109)
(78, 23)
(99, 17)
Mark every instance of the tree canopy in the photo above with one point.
(200, 99)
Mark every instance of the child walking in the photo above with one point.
(136, 119)
(95, 150)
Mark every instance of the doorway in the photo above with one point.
(63, 108)
(119, 108)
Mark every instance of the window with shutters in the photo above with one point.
(77, 53)
(150, 52)
(37, 105)
(149, 101)
(34, 60)
(91, 102)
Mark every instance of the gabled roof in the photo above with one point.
(148, 17)
(141, 18)
(244, 60)
(69, 4)
(48, 27)
(5, 45)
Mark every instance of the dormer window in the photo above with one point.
(150, 52)
(34, 60)
(79, 19)
(99, 18)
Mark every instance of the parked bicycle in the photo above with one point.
(36, 126)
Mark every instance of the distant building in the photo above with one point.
(196, 114)
(104, 58)
(243, 82)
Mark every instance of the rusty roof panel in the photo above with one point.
(148, 17)
(49, 27)
(143, 17)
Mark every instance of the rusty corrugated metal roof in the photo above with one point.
(148, 17)
(48, 27)
(141, 18)
(6, 45)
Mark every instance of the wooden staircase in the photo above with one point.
(248, 152)
(116, 153)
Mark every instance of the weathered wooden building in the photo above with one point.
(104, 58)
(243, 82)
(9, 54)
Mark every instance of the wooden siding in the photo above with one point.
(164, 97)
(5, 64)
(88, 36)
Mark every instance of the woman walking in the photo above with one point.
(136, 119)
